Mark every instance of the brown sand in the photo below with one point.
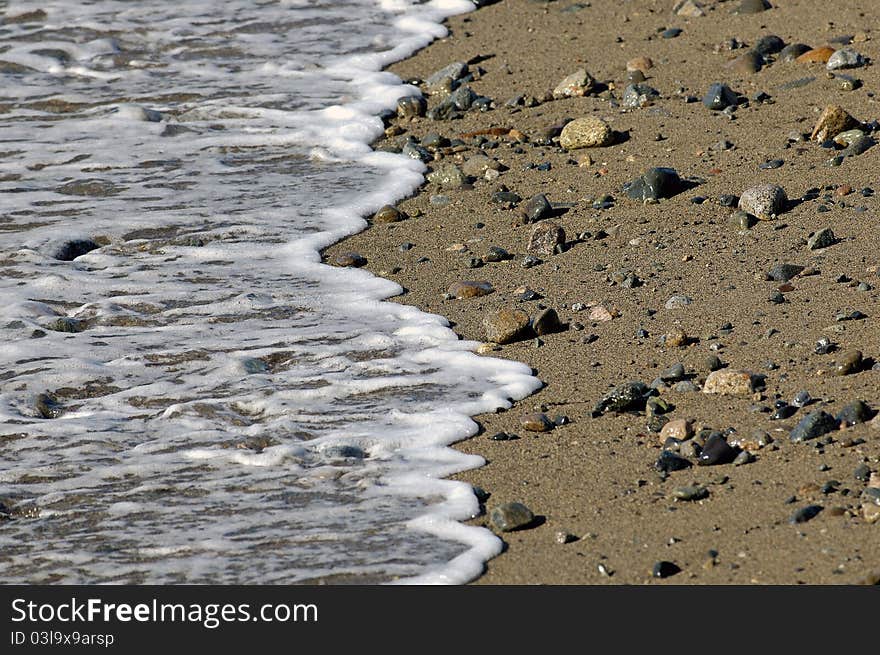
(594, 477)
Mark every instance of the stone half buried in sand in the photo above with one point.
(656, 183)
(731, 383)
(586, 132)
(470, 289)
(764, 202)
(813, 425)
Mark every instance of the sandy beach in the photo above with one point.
(720, 470)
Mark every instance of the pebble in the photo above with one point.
(816, 55)
(673, 373)
(67, 324)
(642, 64)
(690, 492)
(506, 325)
(764, 202)
(850, 362)
(545, 238)
(833, 120)
(713, 363)
(656, 183)
(752, 442)
(442, 79)
(600, 313)
(665, 569)
(586, 132)
(719, 96)
(689, 9)
(854, 412)
(749, 62)
(813, 425)
(730, 383)
(470, 289)
(496, 254)
(821, 239)
(478, 165)
(669, 461)
(792, 51)
(678, 301)
(546, 322)
(639, 95)
(676, 337)
(536, 422)
(47, 406)
(389, 214)
(802, 399)
(845, 58)
(671, 33)
(805, 514)
(511, 516)
(70, 250)
(348, 259)
(769, 44)
(630, 396)
(563, 537)
(536, 208)
(680, 429)
(716, 450)
(784, 272)
(447, 176)
(411, 106)
(741, 220)
(579, 83)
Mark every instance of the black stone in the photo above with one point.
(769, 45)
(70, 250)
(665, 569)
(716, 450)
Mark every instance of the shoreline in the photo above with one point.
(592, 480)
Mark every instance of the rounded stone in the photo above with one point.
(764, 202)
(536, 422)
(546, 322)
(681, 429)
(388, 214)
(511, 516)
(586, 132)
(348, 259)
(849, 362)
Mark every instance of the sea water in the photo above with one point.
(187, 394)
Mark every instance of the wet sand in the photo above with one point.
(594, 477)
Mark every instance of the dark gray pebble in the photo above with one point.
(813, 425)
(669, 461)
(805, 514)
